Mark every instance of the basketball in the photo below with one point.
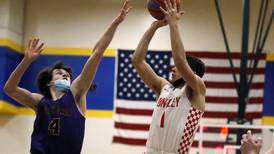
(153, 7)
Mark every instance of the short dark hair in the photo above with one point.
(196, 65)
(45, 76)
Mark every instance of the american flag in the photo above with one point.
(134, 102)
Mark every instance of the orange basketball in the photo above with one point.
(153, 7)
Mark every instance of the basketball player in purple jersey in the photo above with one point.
(61, 106)
(180, 102)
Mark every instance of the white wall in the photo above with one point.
(4, 13)
(15, 132)
(11, 19)
(79, 23)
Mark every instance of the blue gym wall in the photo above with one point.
(103, 97)
(268, 107)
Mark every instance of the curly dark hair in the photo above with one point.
(45, 76)
(196, 65)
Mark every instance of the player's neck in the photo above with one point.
(178, 83)
(56, 94)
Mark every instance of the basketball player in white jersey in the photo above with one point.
(180, 101)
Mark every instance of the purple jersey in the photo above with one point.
(58, 128)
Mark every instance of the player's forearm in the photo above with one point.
(15, 77)
(105, 40)
(90, 68)
(250, 152)
(141, 50)
(88, 73)
(178, 51)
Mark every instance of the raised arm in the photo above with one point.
(82, 83)
(250, 145)
(11, 87)
(178, 52)
(150, 78)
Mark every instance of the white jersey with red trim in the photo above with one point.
(174, 123)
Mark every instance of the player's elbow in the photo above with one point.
(8, 90)
(135, 60)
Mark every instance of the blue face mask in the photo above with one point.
(62, 85)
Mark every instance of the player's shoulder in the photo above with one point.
(164, 84)
(201, 86)
(37, 97)
(161, 83)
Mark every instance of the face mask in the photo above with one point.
(62, 85)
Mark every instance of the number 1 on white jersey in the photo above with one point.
(162, 120)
